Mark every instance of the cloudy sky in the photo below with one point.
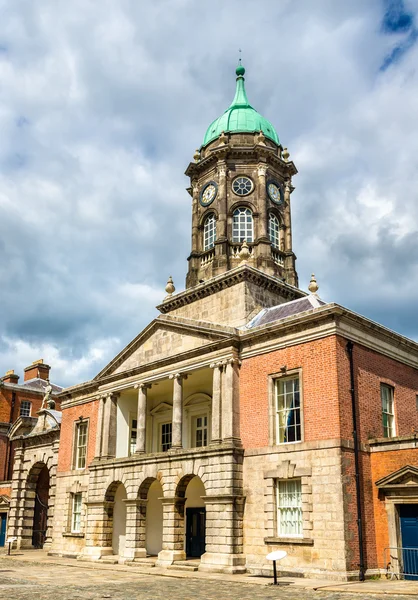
(102, 105)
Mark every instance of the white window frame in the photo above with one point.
(209, 232)
(242, 225)
(274, 231)
(161, 443)
(389, 430)
(282, 411)
(203, 428)
(76, 509)
(80, 458)
(289, 517)
(132, 419)
(196, 405)
(162, 413)
(22, 411)
(243, 189)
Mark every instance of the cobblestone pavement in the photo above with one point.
(20, 580)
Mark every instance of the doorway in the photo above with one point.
(40, 514)
(154, 519)
(408, 516)
(3, 521)
(195, 532)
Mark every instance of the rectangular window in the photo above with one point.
(166, 436)
(289, 508)
(287, 406)
(25, 407)
(76, 514)
(132, 437)
(388, 412)
(200, 431)
(81, 445)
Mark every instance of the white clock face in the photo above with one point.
(274, 192)
(209, 194)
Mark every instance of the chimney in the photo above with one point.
(10, 377)
(37, 370)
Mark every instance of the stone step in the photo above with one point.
(185, 565)
(110, 560)
(146, 562)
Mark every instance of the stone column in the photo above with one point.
(177, 422)
(99, 430)
(109, 426)
(222, 219)
(230, 402)
(262, 206)
(216, 434)
(98, 530)
(173, 531)
(195, 217)
(287, 217)
(136, 511)
(224, 534)
(141, 424)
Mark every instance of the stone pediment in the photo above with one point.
(4, 501)
(166, 337)
(403, 478)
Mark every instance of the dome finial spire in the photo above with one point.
(240, 69)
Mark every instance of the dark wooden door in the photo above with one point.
(195, 532)
(40, 516)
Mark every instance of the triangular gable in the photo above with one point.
(166, 336)
(405, 477)
(4, 500)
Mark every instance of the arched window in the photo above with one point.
(274, 230)
(209, 232)
(242, 225)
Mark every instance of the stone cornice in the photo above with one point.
(228, 279)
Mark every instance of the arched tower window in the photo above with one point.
(274, 230)
(242, 225)
(209, 232)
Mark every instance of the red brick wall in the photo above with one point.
(6, 403)
(69, 416)
(383, 464)
(318, 361)
(372, 369)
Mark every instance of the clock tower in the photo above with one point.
(241, 183)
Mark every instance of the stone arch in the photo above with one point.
(209, 211)
(145, 486)
(182, 485)
(114, 526)
(245, 203)
(36, 505)
(191, 492)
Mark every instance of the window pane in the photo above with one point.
(81, 445)
(200, 427)
(166, 436)
(288, 417)
(242, 225)
(274, 230)
(76, 513)
(25, 407)
(209, 232)
(289, 507)
(388, 412)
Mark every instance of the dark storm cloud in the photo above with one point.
(101, 108)
(397, 19)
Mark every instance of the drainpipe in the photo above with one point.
(362, 569)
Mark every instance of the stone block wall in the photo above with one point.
(322, 551)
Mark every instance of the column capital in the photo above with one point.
(217, 365)
(261, 169)
(107, 395)
(178, 376)
(233, 361)
(142, 386)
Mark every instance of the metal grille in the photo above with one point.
(401, 563)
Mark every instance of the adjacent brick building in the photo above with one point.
(249, 416)
(18, 401)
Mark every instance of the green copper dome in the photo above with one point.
(240, 116)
